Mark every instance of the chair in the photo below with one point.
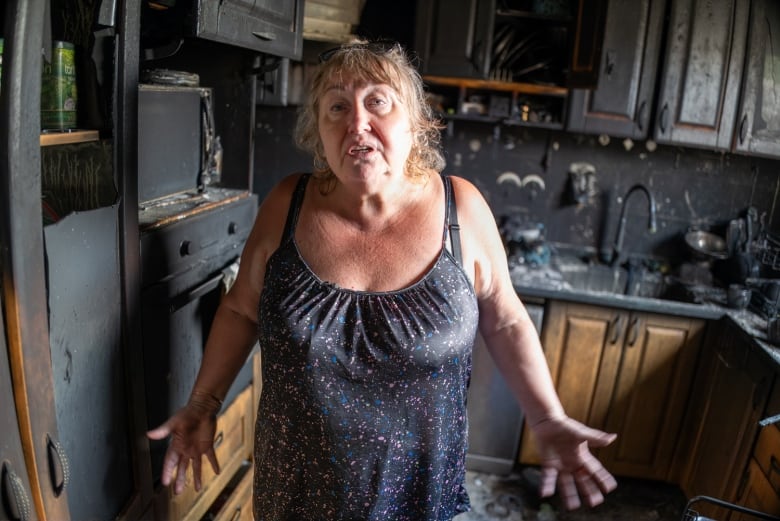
(690, 513)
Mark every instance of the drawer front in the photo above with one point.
(767, 455)
(239, 505)
(233, 445)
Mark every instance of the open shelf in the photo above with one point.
(68, 137)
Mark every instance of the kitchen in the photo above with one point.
(562, 179)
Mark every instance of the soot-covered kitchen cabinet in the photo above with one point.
(626, 372)
(273, 27)
(80, 426)
(622, 102)
(761, 489)
(758, 123)
(556, 41)
(91, 375)
(730, 395)
(14, 482)
(700, 84)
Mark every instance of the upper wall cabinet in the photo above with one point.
(512, 40)
(758, 125)
(702, 73)
(621, 103)
(268, 26)
(272, 27)
(508, 61)
(452, 37)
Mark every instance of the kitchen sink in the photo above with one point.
(601, 278)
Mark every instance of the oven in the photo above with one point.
(190, 247)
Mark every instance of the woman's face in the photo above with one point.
(365, 131)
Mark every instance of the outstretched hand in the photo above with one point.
(567, 462)
(192, 432)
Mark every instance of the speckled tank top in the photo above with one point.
(363, 410)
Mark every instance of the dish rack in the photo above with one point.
(766, 248)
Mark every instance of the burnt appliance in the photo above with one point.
(178, 150)
(190, 247)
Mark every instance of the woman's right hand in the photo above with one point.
(192, 429)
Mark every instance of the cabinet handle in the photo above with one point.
(774, 466)
(268, 37)
(633, 332)
(615, 328)
(219, 439)
(610, 63)
(13, 490)
(743, 130)
(236, 515)
(664, 118)
(640, 116)
(59, 468)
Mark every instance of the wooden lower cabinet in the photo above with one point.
(624, 372)
(761, 490)
(233, 446)
(730, 397)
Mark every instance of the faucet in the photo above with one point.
(617, 254)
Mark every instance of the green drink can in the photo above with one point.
(58, 88)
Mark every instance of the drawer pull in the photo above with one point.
(634, 332)
(615, 329)
(59, 468)
(236, 515)
(219, 439)
(664, 120)
(13, 489)
(264, 35)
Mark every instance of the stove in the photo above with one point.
(176, 207)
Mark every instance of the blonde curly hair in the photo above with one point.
(373, 62)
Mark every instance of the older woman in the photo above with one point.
(366, 282)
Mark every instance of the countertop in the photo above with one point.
(547, 283)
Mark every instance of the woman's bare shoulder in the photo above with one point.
(271, 216)
(470, 202)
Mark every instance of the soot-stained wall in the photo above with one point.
(525, 173)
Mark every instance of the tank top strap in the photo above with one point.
(295, 207)
(451, 225)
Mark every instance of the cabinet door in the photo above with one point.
(454, 37)
(14, 484)
(758, 130)
(621, 102)
(582, 345)
(270, 26)
(701, 78)
(651, 392)
(758, 494)
(90, 385)
(733, 394)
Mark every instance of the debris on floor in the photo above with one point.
(515, 498)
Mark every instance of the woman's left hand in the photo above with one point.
(568, 464)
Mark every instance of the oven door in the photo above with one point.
(176, 322)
